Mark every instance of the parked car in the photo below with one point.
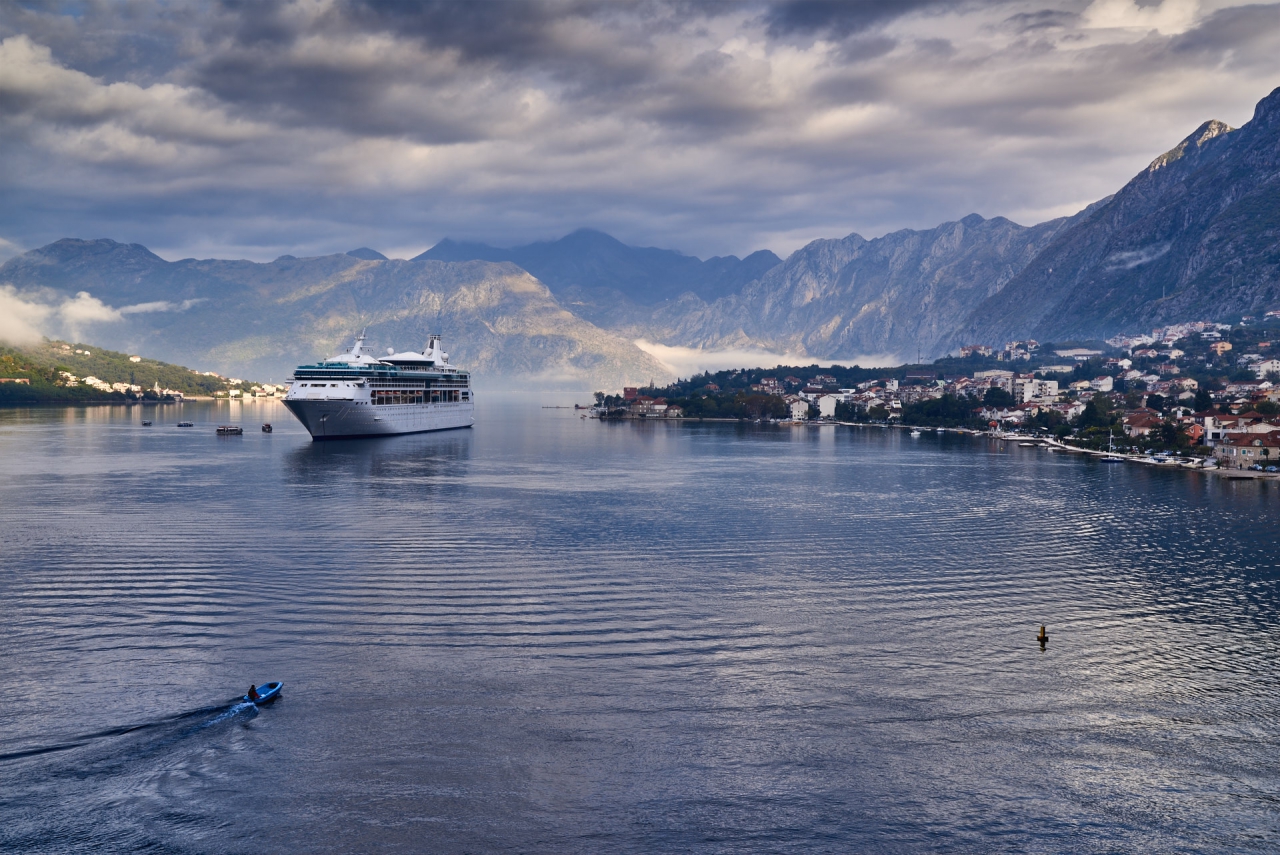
(1257, 467)
(1271, 469)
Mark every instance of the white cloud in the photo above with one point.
(26, 318)
(83, 310)
(21, 321)
(1169, 17)
(160, 306)
(1135, 258)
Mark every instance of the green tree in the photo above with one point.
(1097, 413)
(848, 411)
(947, 411)
(997, 397)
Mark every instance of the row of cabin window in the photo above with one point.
(381, 398)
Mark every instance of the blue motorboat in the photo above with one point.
(266, 693)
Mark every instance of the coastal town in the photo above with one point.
(61, 372)
(1201, 394)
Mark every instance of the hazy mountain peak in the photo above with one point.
(449, 249)
(366, 254)
(592, 238)
(1201, 135)
(78, 248)
(761, 257)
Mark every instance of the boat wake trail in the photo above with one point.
(132, 788)
(197, 720)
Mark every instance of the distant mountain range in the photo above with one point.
(1194, 236)
(609, 283)
(901, 294)
(261, 320)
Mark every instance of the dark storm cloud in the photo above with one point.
(589, 53)
(1232, 30)
(840, 19)
(262, 128)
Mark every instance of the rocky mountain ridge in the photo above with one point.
(1195, 236)
(897, 295)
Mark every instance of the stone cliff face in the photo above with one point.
(1196, 235)
(261, 320)
(841, 299)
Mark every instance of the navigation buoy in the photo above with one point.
(1043, 636)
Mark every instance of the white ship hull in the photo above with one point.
(347, 420)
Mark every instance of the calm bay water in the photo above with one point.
(547, 634)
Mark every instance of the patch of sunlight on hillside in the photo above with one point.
(687, 361)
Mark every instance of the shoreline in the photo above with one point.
(19, 405)
(1047, 442)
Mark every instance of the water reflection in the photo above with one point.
(382, 463)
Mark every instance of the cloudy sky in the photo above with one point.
(249, 129)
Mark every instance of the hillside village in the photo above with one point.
(1199, 388)
(61, 372)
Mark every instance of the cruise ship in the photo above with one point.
(356, 394)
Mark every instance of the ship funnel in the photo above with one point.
(432, 350)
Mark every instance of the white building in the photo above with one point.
(827, 406)
(100, 385)
(1268, 366)
(1028, 389)
(800, 410)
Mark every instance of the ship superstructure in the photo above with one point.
(357, 394)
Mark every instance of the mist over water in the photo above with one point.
(548, 634)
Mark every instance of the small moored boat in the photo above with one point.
(230, 430)
(267, 693)
(186, 424)
(146, 424)
(266, 428)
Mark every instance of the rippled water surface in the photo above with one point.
(547, 634)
